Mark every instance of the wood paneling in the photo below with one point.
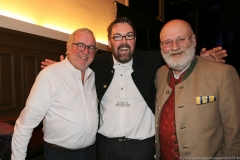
(7, 100)
(20, 57)
(29, 72)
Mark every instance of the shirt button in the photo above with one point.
(104, 86)
(175, 149)
(167, 91)
(121, 88)
(111, 71)
(175, 141)
(121, 74)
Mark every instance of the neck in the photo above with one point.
(83, 74)
(177, 73)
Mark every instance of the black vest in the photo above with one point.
(145, 65)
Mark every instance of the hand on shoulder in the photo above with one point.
(48, 62)
(216, 54)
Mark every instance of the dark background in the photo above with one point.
(215, 23)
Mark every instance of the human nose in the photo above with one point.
(175, 45)
(124, 39)
(86, 50)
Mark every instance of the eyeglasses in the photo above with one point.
(120, 37)
(81, 47)
(180, 41)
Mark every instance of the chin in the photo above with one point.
(180, 62)
(123, 59)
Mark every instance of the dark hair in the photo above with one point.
(120, 20)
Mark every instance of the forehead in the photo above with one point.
(173, 34)
(121, 28)
(84, 37)
(174, 30)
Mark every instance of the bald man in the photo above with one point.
(197, 101)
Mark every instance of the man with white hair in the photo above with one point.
(197, 101)
(64, 97)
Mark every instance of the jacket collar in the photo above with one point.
(188, 71)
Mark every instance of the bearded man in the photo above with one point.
(197, 101)
(126, 93)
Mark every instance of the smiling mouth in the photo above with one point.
(83, 57)
(124, 49)
(176, 54)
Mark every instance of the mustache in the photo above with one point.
(176, 52)
(124, 46)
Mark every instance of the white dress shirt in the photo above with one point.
(68, 107)
(123, 111)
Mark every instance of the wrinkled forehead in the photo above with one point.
(174, 29)
(122, 28)
(85, 37)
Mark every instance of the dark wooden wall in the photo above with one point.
(20, 58)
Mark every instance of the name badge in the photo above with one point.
(123, 103)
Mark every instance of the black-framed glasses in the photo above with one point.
(119, 37)
(180, 41)
(81, 47)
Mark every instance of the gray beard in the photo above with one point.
(181, 63)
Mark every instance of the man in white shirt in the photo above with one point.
(126, 93)
(64, 97)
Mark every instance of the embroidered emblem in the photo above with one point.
(123, 104)
(205, 99)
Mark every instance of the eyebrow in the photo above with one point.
(176, 38)
(125, 34)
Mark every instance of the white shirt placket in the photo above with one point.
(122, 96)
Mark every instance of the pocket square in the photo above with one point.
(205, 99)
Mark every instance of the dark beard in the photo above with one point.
(119, 58)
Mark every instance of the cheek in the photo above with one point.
(114, 45)
(132, 43)
(91, 58)
(165, 50)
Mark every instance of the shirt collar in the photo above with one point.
(176, 76)
(88, 71)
